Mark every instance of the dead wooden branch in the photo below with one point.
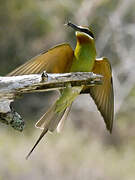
(11, 87)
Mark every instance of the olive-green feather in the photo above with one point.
(103, 95)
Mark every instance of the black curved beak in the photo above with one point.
(75, 27)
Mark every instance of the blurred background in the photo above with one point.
(84, 150)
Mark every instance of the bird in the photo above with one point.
(63, 59)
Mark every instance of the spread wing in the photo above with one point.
(103, 94)
(55, 60)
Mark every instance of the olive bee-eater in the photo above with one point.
(62, 59)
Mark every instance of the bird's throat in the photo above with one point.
(85, 54)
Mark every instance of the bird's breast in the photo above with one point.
(84, 57)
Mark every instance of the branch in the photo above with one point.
(11, 87)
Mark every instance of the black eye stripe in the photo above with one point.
(88, 32)
(81, 29)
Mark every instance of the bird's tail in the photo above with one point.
(50, 119)
(63, 119)
(48, 122)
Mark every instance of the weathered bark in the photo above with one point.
(11, 87)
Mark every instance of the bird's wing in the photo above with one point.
(55, 60)
(103, 95)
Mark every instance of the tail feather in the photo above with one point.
(63, 119)
(55, 121)
(45, 120)
(50, 119)
(39, 139)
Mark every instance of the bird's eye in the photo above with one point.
(87, 31)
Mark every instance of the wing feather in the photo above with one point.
(55, 60)
(103, 95)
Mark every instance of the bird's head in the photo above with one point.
(83, 34)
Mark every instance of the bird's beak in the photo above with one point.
(75, 27)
